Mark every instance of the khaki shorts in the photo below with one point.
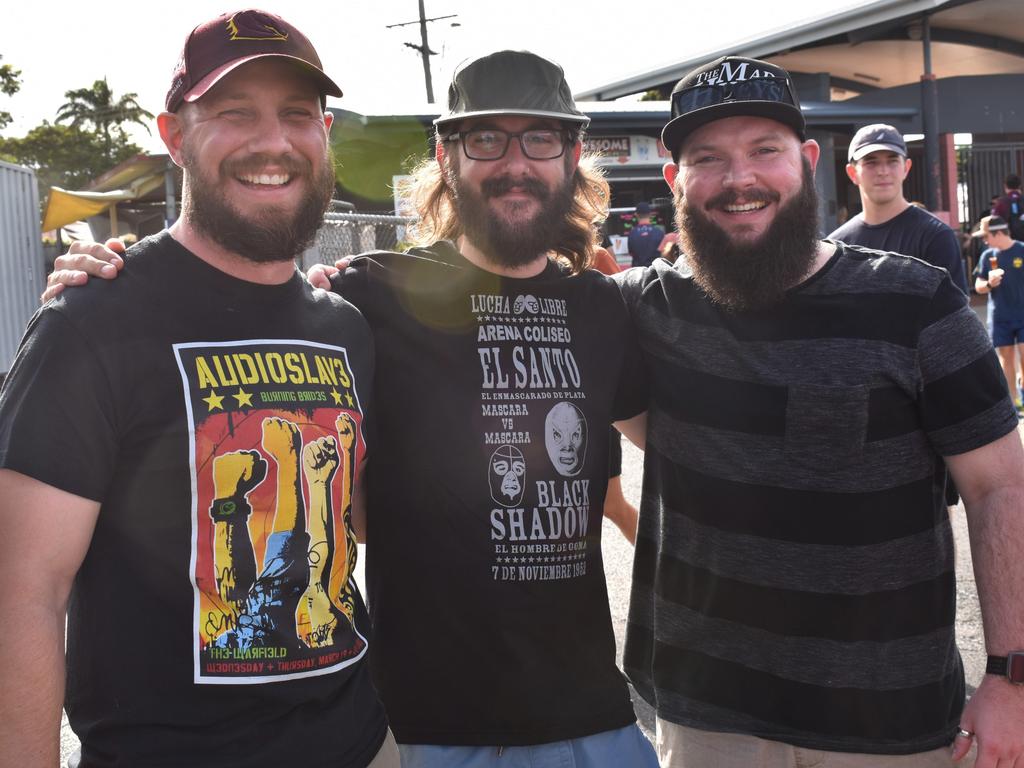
(682, 747)
(387, 756)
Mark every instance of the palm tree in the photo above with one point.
(97, 106)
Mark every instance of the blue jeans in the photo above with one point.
(621, 748)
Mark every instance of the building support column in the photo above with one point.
(825, 179)
(950, 179)
(930, 121)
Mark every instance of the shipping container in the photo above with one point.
(22, 272)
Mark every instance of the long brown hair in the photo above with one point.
(432, 197)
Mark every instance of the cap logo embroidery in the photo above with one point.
(730, 72)
(252, 26)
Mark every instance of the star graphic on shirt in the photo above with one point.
(213, 400)
(336, 396)
(348, 398)
(243, 398)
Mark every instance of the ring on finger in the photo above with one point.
(965, 734)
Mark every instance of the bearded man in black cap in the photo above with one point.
(499, 355)
(793, 593)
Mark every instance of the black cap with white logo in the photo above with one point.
(728, 87)
(876, 138)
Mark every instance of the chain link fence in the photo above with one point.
(346, 234)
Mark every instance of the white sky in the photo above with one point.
(65, 45)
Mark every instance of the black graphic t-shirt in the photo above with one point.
(484, 497)
(214, 621)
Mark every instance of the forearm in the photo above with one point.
(634, 429)
(31, 680)
(997, 539)
(981, 286)
(47, 532)
(620, 511)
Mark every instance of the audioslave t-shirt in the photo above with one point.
(214, 620)
(485, 492)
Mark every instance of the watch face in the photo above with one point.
(1015, 667)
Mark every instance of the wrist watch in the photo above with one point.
(1010, 666)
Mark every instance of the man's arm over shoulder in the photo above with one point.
(85, 259)
(46, 534)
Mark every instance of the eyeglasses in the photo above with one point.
(492, 144)
(709, 94)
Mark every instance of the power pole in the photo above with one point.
(424, 46)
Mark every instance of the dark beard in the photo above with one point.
(755, 274)
(269, 235)
(512, 244)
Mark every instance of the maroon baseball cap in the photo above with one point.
(216, 47)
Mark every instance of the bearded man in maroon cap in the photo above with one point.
(177, 457)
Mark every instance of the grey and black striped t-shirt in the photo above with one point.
(794, 574)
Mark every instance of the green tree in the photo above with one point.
(97, 107)
(66, 156)
(10, 84)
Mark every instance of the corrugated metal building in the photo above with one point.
(21, 257)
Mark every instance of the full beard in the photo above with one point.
(517, 242)
(269, 234)
(751, 274)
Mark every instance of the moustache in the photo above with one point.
(502, 184)
(257, 164)
(732, 196)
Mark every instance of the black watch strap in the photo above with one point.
(1010, 666)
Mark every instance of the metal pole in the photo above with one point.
(170, 205)
(930, 121)
(425, 52)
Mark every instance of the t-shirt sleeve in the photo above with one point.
(1002, 208)
(632, 394)
(981, 270)
(944, 251)
(58, 422)
(963, 401)
(351, 283)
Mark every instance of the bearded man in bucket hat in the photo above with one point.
(157, 466)
(498, 360)
(793, 592)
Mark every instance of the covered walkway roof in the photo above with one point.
(870, 46)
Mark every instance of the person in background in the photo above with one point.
(1000, 275)
(1010, 206)
(644, 238)
(877, 164)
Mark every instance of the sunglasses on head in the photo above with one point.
(710, 94)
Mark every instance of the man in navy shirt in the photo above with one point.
(644, 238)
(878, 164)
(1000, 273)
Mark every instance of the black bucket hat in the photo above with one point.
(510, 83)
(728, 87)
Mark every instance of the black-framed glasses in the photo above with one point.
(709, 94)
(492, 143)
